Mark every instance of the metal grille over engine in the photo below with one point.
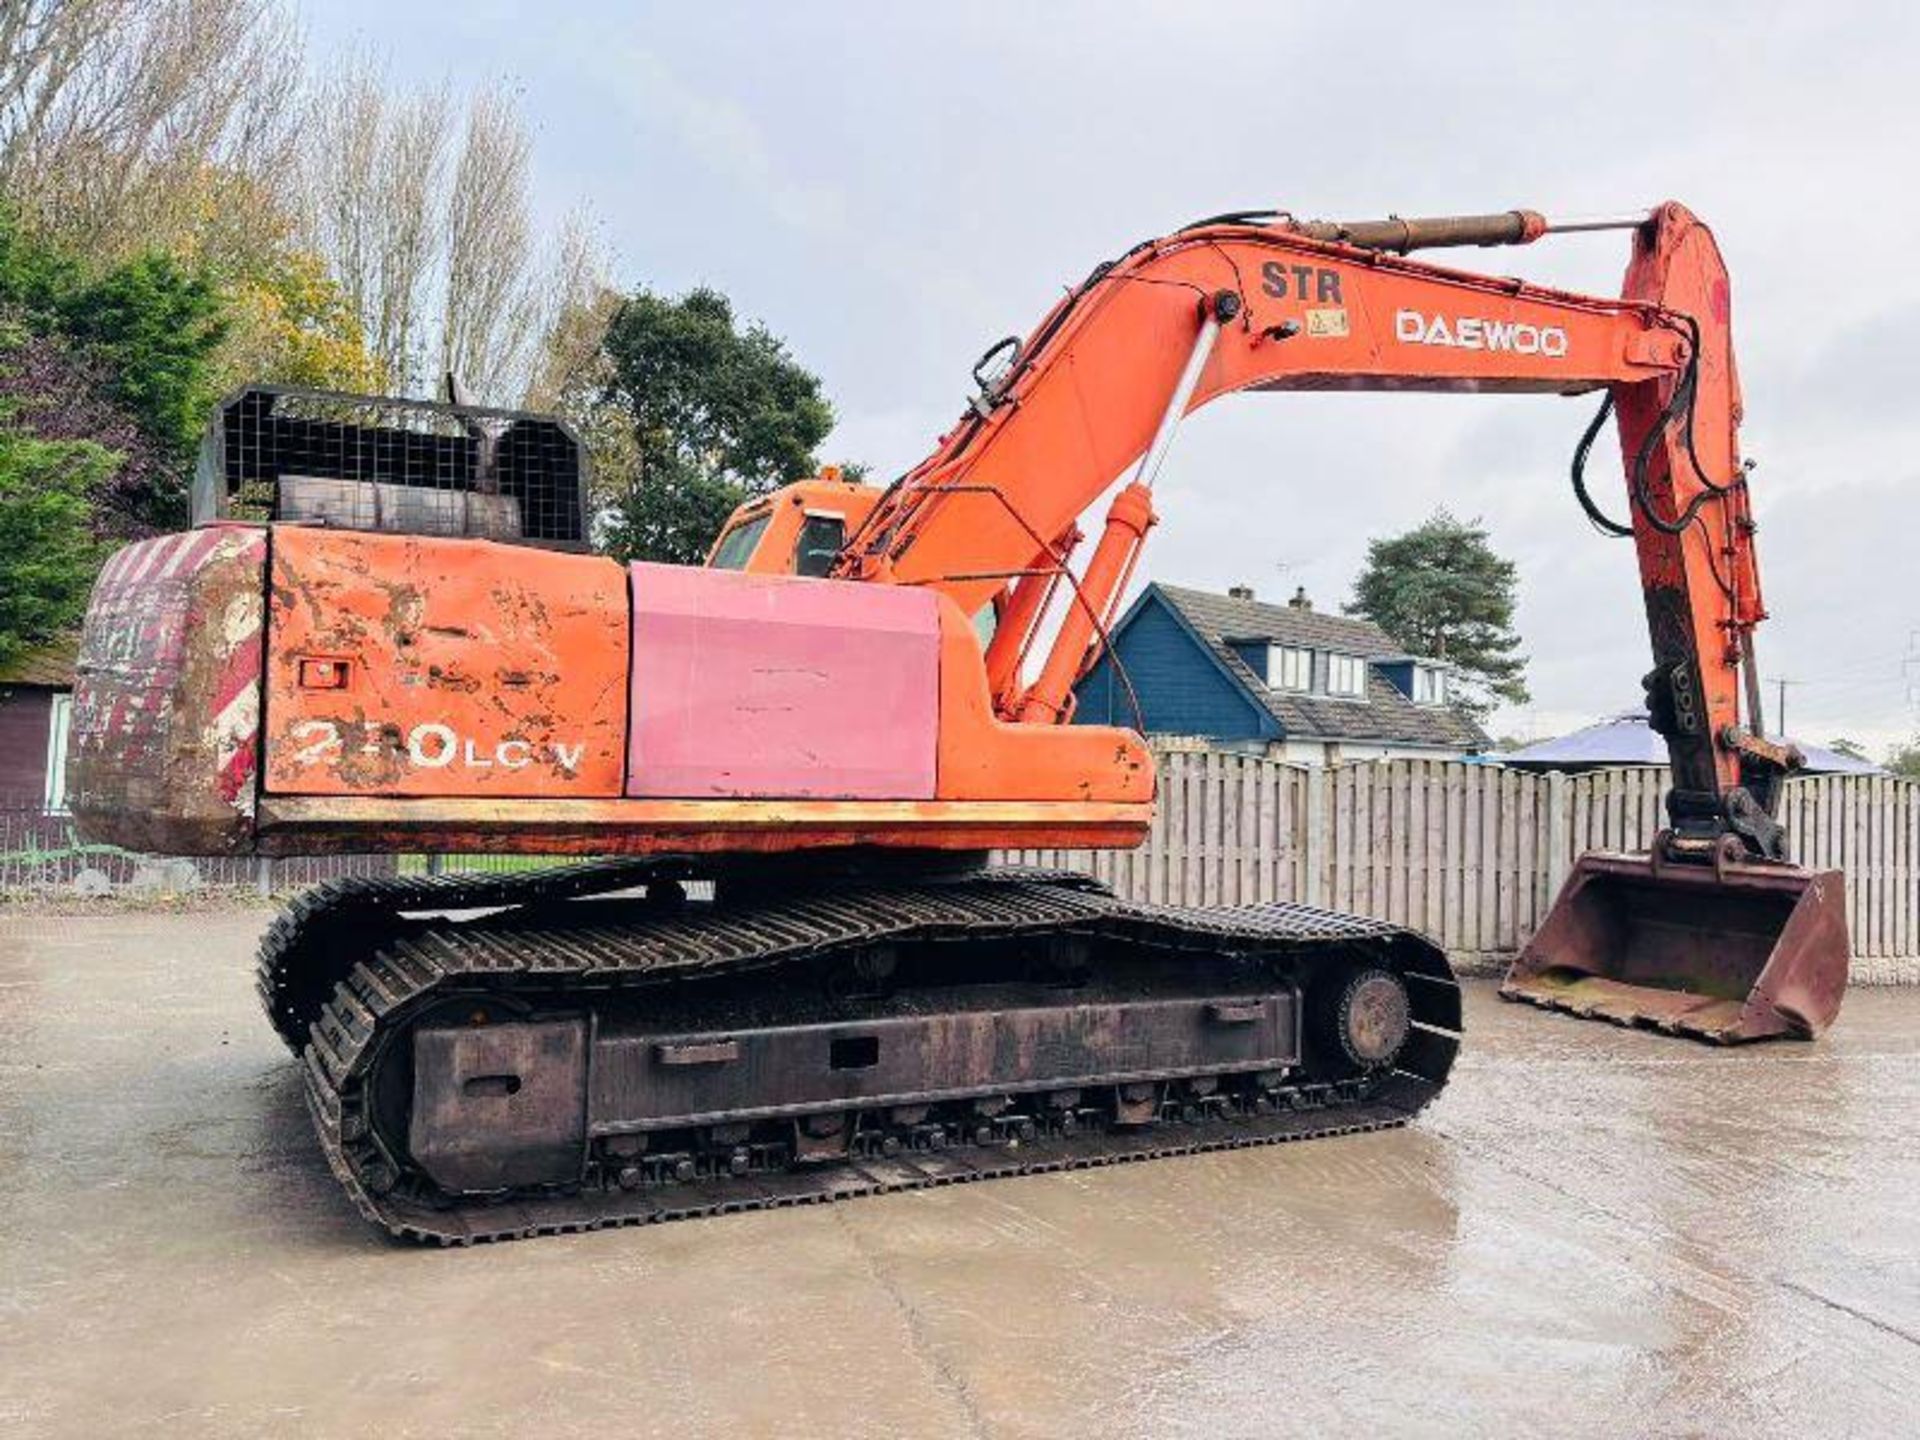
(415, 467)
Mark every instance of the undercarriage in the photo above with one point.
(600, 1044)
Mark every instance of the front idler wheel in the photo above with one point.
(1361, 1021)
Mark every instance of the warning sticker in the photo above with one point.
(1327, 325)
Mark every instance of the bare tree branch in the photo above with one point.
(375, 181)
(490, 306)
(432, 233)
(120, 118)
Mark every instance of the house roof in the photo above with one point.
(1387, 717)
(50, 666)
(1226, 617)
(1628, 740)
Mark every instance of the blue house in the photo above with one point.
(1283, 680)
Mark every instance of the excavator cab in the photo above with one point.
(1729, 951)
(799, 529)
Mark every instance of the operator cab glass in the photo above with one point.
(737, 545)
(821, 537)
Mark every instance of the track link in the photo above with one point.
(529, 952)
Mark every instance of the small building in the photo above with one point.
(36, 694)
(1283, 680)
(1627, 739)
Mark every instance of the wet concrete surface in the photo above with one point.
(1592, 1232)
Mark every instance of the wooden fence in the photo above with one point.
(1474, 854)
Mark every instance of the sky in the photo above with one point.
(893, 187)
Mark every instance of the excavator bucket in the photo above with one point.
(1728, 952)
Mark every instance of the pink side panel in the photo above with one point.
(761, 686)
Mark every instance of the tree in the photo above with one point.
(53, 393)
(1904, 760)
(375, 166)
(153, 327)
(1852, 749)
(290, 323)
(716, 414)
(489, 322)
(427, 221)
(47, 551)
(120, 119)
(141, 337)
(1442, 592)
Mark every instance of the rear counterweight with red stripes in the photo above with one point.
(164, 753)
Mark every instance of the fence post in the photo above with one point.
(1559, 833)
(1316, 886)
(263, 876)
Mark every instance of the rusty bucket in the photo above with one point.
(1725, 952)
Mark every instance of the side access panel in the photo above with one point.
(772, 687)
(414, 666)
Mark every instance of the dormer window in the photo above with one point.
(1346, 675)
(1429, 685)
(1289, 667)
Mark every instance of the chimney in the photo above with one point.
(1240, 592)
(1300, 600)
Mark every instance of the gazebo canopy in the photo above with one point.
(1627, 740)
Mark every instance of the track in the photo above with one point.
(557, 947)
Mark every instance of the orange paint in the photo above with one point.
(787, 511)
(1098, 372)
(404, 665)
(983, 757)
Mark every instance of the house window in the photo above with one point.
(1429, 685)
(60, 714)
(1289, 668)
(1346, 675)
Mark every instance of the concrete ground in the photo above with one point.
(1593, 1231)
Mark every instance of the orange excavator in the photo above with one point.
(790, 974)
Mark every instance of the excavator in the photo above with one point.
(778, 967)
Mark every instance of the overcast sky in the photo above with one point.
(891, 187)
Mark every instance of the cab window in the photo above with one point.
(821, 537)
(736, 546)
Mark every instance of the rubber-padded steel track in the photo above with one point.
(531, 952)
